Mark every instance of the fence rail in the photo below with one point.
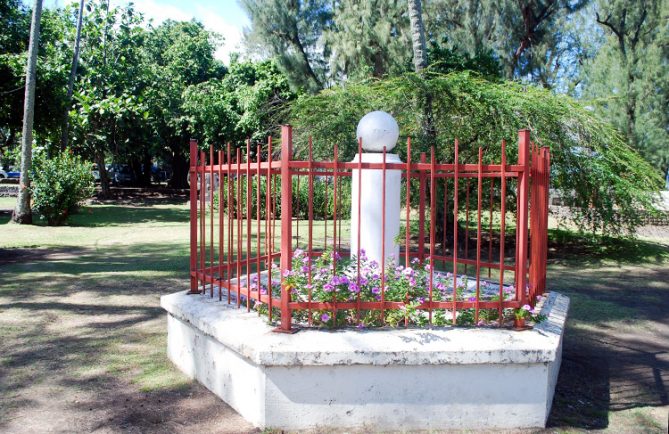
(244, 214)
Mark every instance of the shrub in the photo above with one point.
(59, 185)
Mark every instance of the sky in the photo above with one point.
(225, 17)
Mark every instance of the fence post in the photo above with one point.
(539, 221)
(286, 222)
(193, 217)
(522, 212)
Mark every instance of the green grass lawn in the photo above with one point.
(82, 336)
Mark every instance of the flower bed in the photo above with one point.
(332, 279)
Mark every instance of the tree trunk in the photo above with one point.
(104, 176)
(417, 35)
(180, 166)
(23, 213)
(73, 73)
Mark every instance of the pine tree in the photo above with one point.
(291, 31)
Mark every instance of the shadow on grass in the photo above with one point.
(615, 353)
(138, 269)
(565, 246)
(116, 215)
(112, 215)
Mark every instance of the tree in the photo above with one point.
(248, 103)
(368, 38)
(73, 74)
(22, 212)
(627, 79)
(110, 108)
(15, 20)
(179, 55)
(530, 38)
(291, 31)
(611, 183)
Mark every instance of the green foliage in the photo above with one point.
(52, 68)
(610, 182)
(322, 203)
(59, 185)
(245, 104)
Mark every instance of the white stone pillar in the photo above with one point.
(376, 129)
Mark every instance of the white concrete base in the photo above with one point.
(376, 380)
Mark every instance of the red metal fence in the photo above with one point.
(243, 219)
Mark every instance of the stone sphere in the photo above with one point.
(378, 129)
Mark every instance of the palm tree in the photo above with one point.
(417, 35)
(73, 74)
(23, 213)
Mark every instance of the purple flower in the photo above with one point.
(376, 290)
(328, 287)
(353, 287)
(336, 256)
(305, 269)
(325, 317)
(287, 273)
(472, 298)
(297, 253)
(527, 307)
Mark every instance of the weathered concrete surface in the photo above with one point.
(381, 379)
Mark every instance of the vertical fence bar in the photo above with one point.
(268, 228)
(421, 211)
(445, 223)
(546, 204)
(407, 231)
(383, 238)
(230, 226)
(490, 218)
(297, 212)
(466, 222)
(502, 232)
(193, 217)
(433, 216)
(310, 242)
(211, 218)
(221, 242)
(258, 244)
(203, 240)
(523, 192)
(479, 202)
(534, 209)
(538, 221)
(456, 175)
(238, 172)
(249, 198)
(334, 229)
(334, 207)
(286, 222)
(359, 211)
